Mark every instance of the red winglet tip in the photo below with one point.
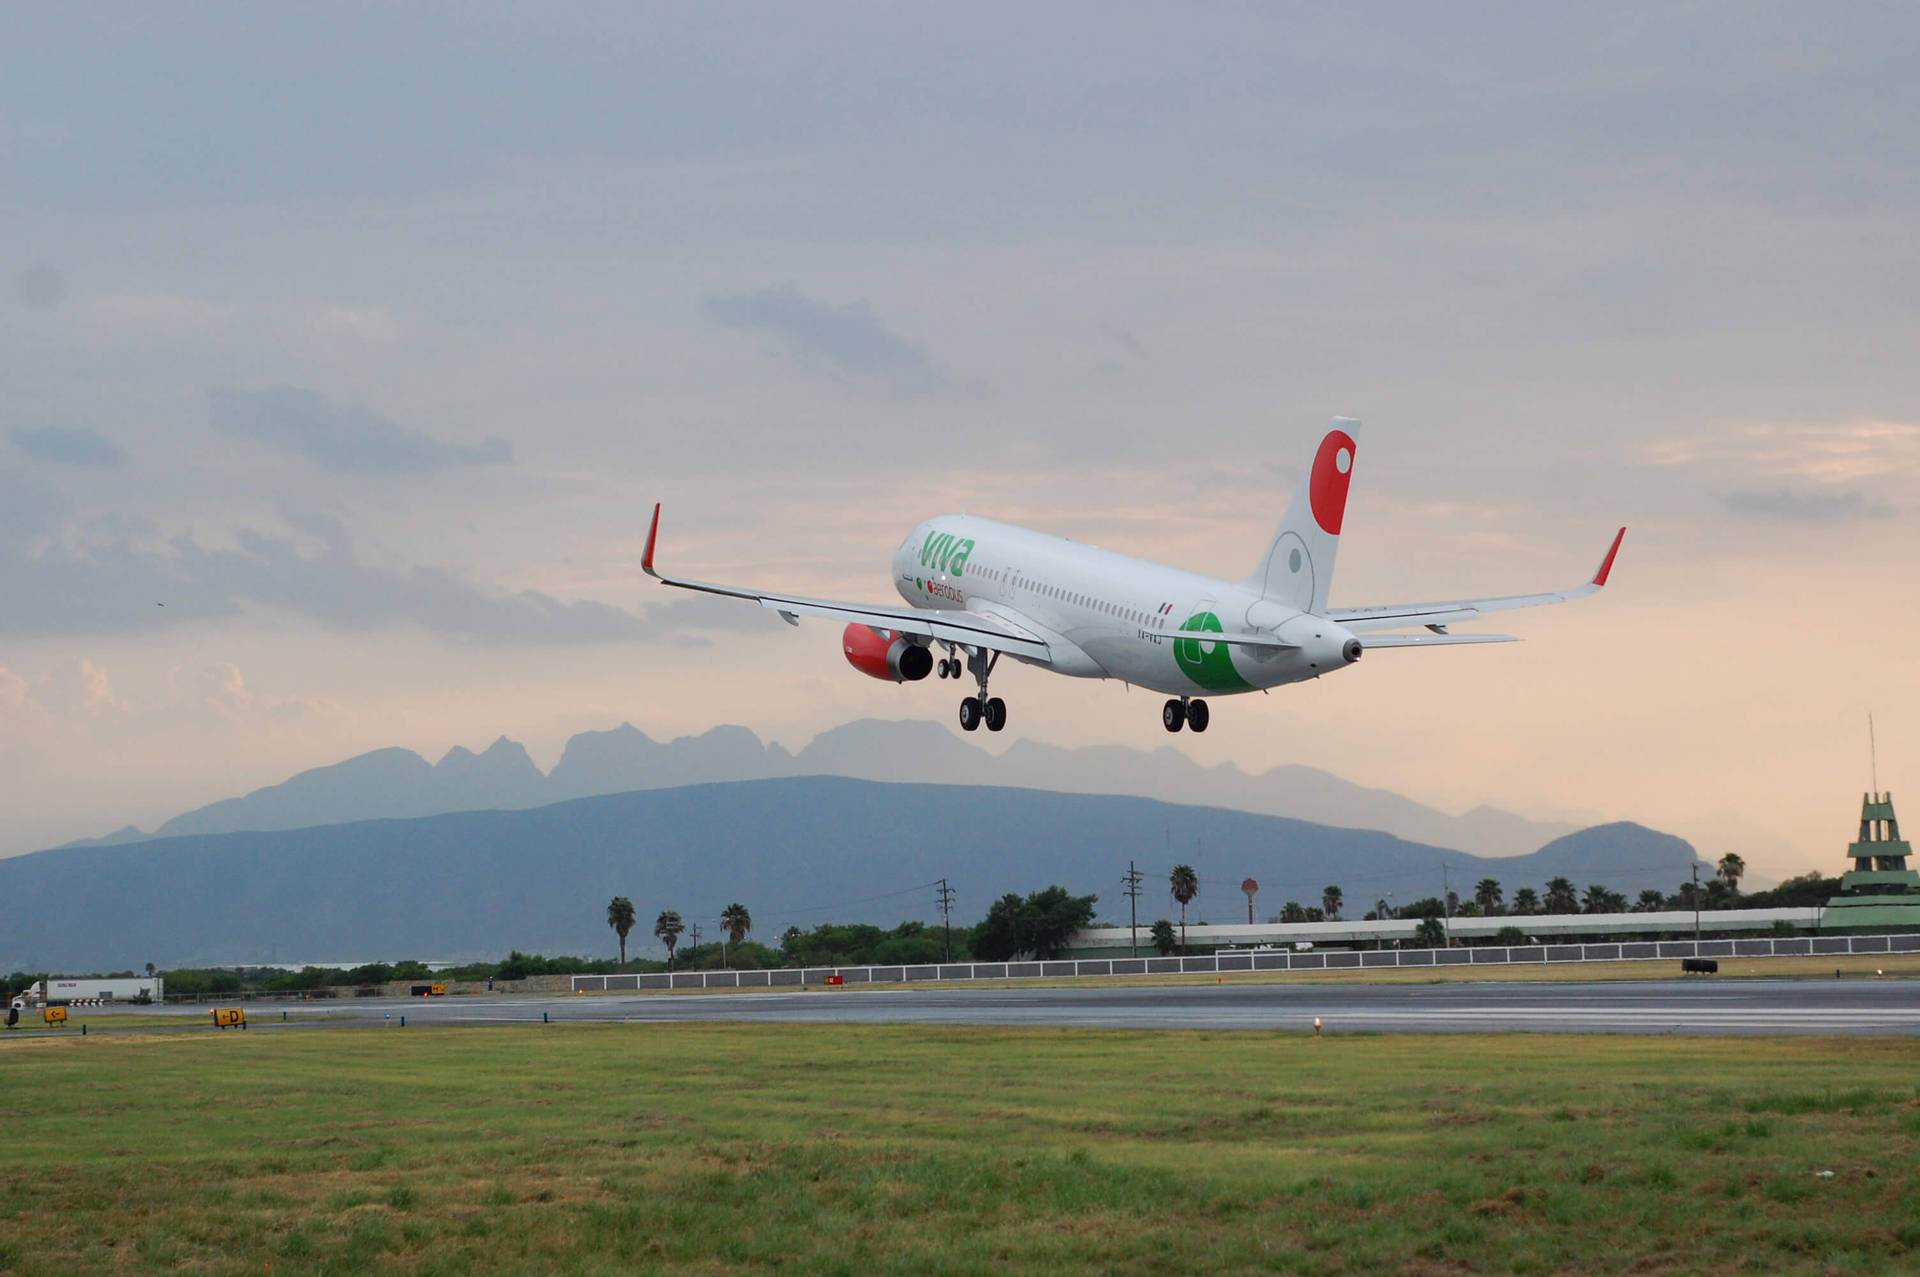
(653, 534)
(1606, 564)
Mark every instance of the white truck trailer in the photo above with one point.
(57, 993)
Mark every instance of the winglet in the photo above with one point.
(653, 534)
(1599, 578)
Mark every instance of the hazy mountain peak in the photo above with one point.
(398, 782)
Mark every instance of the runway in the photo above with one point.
(1752, 1007)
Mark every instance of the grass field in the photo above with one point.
(714, 1148)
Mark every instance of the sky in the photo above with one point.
(344, 351)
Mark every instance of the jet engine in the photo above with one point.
(885, 654)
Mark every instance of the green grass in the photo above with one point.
(717, 1148)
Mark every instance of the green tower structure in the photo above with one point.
(1879, 892)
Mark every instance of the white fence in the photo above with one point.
(1261, 960)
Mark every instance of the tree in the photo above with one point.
(667, 928)
(736, 921)
(999, 937)
(1042, 924)
(1331, 899)
(1526, 900)
(1431, 933)
(1561, 897)
(1163, 937)
(1599, 899)
(620, 917)
(1652, 900)
(1486, 894)
(1185, 884)
(1051, 917)
(1292, 912)
(1730, 868)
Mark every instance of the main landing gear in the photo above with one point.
(1186, 713)
(975, 710)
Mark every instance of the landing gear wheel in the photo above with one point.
(996, 714)
(1174, 715)
(1197, 716)
(970, 711)
(945, 665)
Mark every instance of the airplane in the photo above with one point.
(980, 590)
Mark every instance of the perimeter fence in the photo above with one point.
(1260, 960)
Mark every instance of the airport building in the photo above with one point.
(1880, 892)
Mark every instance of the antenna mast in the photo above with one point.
(1873, 753)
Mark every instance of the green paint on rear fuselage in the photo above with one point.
(1211, 670)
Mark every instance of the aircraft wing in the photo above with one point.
(1439, 615)
(970, 629)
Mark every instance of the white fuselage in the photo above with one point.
(1107, 615)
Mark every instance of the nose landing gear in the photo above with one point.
(975, 710)
(1185, 712)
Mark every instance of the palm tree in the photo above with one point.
(1292, 912)
(1162, 933)
(1185, 884)
(1652, 900)
(735, 922)
(1330, 901)
(1526, 900)
(1730, 868)
(667, 928)
(1486, 894)
(1561, 896)
(620, 917)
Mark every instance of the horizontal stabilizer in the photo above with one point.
(1235, 640)
(1433, 640)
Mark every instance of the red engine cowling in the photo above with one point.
(885, 654)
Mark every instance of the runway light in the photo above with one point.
(1316, 1026)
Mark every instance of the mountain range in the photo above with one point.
(394, 783)
(797, 850)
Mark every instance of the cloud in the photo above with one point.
(369, 324)
(40, 287)
(1827, 454)
(697, 613)
(78, 687)
(221, 689)
(1822, 507)
(102, 579)
(172, 313)
(348, 440)
(69, 446)
(850, 340)
(1124, 339)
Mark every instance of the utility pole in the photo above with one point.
(1696, 908)
(1446, 902)
(1132, 879)
(693, 929)
(946, 914)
